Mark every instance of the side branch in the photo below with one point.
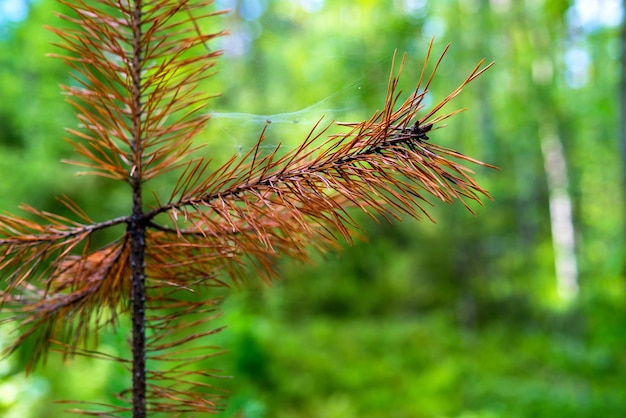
(266, 206)
(23, 231)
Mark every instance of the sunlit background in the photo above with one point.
(519, 311)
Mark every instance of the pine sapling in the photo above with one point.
(136, 68)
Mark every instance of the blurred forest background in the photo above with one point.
(519, 311)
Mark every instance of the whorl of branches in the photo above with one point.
(252, 209)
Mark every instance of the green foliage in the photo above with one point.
(458, 319)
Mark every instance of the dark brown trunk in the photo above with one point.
(138, 297)
(137, 229)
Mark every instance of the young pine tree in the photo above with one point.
(136, 66)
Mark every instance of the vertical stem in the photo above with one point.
(137, 229)
(138, 300)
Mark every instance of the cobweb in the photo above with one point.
(237, 131)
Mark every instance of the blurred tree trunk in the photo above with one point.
(622, 100)
(485, 107)
(547, 38)
(561, 219)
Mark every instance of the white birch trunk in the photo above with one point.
(561, 220)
